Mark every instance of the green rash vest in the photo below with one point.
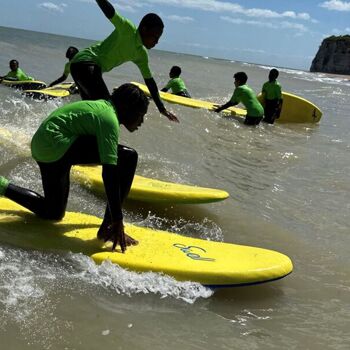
(272, 90)
(124, 44)
(245, 95)
(176, 85)
(18, 74)
(64, 125)
(67, 69)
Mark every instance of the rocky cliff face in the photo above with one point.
(333, 56)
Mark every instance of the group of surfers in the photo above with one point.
(87, 131)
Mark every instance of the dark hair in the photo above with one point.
(242, 77)
(71, 52)
(176, 70)
(129, 99)
(14, 62)
(273, 75)
(150, 21)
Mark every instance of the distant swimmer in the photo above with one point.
(176, 84)
(125, 44)
(245, 95)
(272, 96)
(70, 53)
(85, 132)
(16, 73)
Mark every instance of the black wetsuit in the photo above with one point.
(55, 180)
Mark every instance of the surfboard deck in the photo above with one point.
(151, 190)
(142, 189)
(24, 84)
(295, 109)
(56, 91)
(210, 263)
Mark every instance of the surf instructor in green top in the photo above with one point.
(126, 43)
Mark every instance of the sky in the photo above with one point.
(282, 33)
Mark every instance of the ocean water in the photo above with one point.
(290, 191)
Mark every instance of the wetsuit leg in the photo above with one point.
(271, 111)
(55, 180)
(252, 120)
(88, 78)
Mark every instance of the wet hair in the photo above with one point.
(242, 77)
(14, 62)
(129, 100)
(150, 21)
(176, 70)
(273, 75)
(71, 52)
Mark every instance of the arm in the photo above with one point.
(111, 181)
(63, 77)
(164, 89)
(153, 89)
(224, 106)
(106, 7)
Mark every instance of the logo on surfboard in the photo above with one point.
(193, 252)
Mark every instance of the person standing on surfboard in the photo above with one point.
(16, 73)
(70, 53)
(126, 43)
(245, 95)
(272, 97)
(85, 132)
(176, 84)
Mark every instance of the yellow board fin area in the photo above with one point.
(210, 263)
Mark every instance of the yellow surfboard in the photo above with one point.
(24, 84)
(142, 189)
(295, 109)
(210, 263)
(56, 91)
(151, 190)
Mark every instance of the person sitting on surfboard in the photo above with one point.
(272, 97)
(244, 94)
(126, 43)
(176, 84)
(85, 132)
(70, 53)
(16, 73)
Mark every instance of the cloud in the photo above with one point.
(181, 19)
(52, 7)
(336, 5)
(282, 25)
(222, 6)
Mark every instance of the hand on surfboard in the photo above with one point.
(172, 117)
(116, 234)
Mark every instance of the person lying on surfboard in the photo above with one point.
(126, 43)
(272, 96)
(70, 53)
(85, 132)
(245, 95)
(176, 84)
(16, 73)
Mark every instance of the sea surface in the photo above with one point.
(290, 192)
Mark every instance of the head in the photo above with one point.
(175, 72)
(273, 75)
(71, 52)
(131, 104)
(151, 29)
(240, 78)
(14, 65)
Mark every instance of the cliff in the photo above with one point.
(333, 56)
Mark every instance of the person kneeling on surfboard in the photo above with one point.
(272, 97)
(176, 84)
(70, 53)
(16, 73)
(85, 132)
(244, 94)
(125, 44)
